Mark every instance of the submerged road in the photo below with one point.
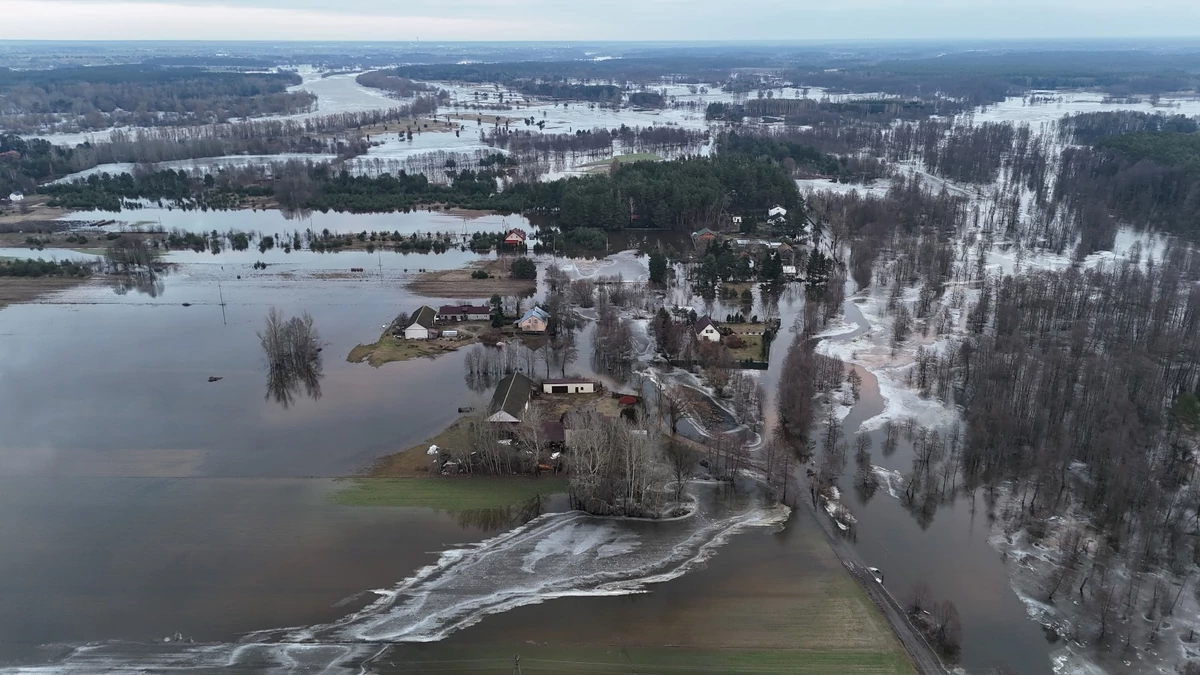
(919, 650)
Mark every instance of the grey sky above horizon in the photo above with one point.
(592, 20)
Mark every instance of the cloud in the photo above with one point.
(142, 20)
(377, 20)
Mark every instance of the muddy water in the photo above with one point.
(947, 550)
(141, 500)
(138, 500)
(139, 559)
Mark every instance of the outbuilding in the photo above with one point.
(569, 385)
(449, 313)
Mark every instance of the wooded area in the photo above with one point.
(81, 99)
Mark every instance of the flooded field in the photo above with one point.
(142, 502)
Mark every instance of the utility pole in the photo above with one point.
(516, 664)
(222, 296)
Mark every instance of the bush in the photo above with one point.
(524, 268)
(479, 274)
(735, 342)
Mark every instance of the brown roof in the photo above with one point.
(702, 323)
(568, 380)
(554, 432)
(464, 309)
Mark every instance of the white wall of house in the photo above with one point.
(711, 334)
(416, 332)
(569, 387)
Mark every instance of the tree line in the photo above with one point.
(97, 97)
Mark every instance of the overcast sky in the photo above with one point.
(592, 19)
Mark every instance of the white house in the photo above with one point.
(777, 211)
(16, 197)
(421, 325)
(569, 385)
(705, 329)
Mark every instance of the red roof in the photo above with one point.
(627, 400)
(464, 309)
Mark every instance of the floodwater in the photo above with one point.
(142, 502)
(949, 551)
(138, 499)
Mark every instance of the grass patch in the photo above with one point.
(623, 159)
(751, 348)
(448, 494)
(414, 461)
(583, 659)
(390, 348)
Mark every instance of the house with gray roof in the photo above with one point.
(510, 399)
(421, 324)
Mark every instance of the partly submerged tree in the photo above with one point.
(293, 350)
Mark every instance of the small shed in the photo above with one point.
(569, 385)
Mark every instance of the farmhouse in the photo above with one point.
(536, 320)
(704, 236)
(706, 329)
(510, 399)
(569, 385)
(515, 238)
(449, 313)
(421, 325)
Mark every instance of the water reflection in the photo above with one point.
(286, 383)
(499, 518)
(293, 354)
(149, 282)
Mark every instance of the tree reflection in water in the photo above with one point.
(501, 517)
(147, 282)
(293, 350)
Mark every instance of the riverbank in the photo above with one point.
(389, 348)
